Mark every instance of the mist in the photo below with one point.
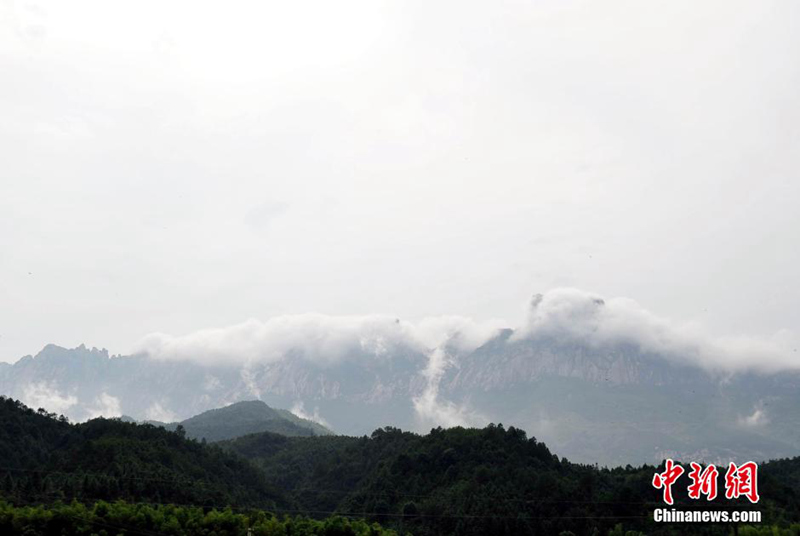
(568, 313)
(403, 158)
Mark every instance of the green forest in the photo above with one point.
(490, 481)
(45, 457)
(103, 518)
(111, 477)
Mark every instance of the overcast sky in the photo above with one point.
(172, 166)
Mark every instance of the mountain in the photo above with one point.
(457, 481)
(610, 402)
(490, 481)
(617, 404)
(46, 458)
(352, 396)
(242, 418)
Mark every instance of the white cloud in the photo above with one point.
(575, 314)
(157, 412)
(755, 419)
(249, 379)
(46, 395)
(431, 409)
(327, 340)
(298, 408)
(104, 405)
(319, 338)
(457, 332)
(565, 313)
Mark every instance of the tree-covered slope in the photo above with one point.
(456, 481)
(486, 481)
(46, 457)
(248, 417)
(145, 519)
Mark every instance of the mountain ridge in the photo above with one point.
(597, 403)
(242, 418)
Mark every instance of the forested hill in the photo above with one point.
(487, 481)
(119, 518)
(47, 458)
(571, 393)
(244, 418)
(456, 481)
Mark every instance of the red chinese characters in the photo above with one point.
(666, 479)
(703, 482)
(742, 480)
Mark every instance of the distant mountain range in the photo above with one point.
(242, 418)
(612, 403)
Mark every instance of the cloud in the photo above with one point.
(249, 379)
(299, 409)
(104, 405)
(430, 409)
(327, 340)
(157, 412)
(756, 419)
(322, 339)
(564, 313)
(457, 332)
(46, 395)
(573, 314)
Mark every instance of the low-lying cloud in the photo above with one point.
(430, 408)
(46, 395)
(327, 340)
(104, 405)
(569, 314)
(299, 409)
(581, 316)
(319, 338)
(160, 413)
(756, 419)
(566, 313)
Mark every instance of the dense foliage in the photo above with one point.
(104, 518)
(456, 481)
(48, 458)
(244, 418)
(487, 481)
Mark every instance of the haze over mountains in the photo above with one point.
(597, 380)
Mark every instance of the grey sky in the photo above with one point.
(184, 165)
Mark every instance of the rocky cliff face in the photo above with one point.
(611, 404)
(83, 383)
(505, 361)
(615, 403)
